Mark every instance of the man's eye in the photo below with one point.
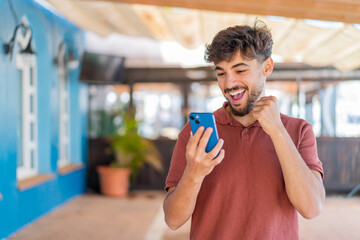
(220, 74)
(241, 71)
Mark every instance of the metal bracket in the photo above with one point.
(353, 191)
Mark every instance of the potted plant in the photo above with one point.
(130, 151)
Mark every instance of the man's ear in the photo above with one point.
(268, 67)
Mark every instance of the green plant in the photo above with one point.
(131, 150)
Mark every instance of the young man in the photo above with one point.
(267, 169)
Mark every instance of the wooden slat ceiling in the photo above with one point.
(194, 22)
(330, 10)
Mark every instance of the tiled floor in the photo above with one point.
(140, 217)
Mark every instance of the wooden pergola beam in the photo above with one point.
(281, 73)
(329, 10)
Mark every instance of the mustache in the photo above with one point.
(226, 90)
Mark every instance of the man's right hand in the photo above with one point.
(199, 162)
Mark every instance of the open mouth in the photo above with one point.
(237, 96)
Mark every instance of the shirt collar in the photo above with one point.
(223, 117)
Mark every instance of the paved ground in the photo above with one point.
(339, 220)
(140, 217)
(95, 217)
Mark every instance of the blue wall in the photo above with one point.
(19, 207)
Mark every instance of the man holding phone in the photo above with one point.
(263, 170)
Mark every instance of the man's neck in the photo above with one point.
(246, 120)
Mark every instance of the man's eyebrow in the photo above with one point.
(234, 66)
(239, 64)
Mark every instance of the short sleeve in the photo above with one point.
(178, 159)
(308, 149)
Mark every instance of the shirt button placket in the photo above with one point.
(244, 140)
(245, 134)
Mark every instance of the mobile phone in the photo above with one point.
(206, 120)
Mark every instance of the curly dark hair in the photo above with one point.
(252, 42)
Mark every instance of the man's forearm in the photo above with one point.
(179, 205)
(304, 187)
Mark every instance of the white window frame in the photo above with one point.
(64, 110)
(29, 134)
(26, 63)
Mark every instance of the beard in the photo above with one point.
(253, 97)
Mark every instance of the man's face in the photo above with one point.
(242, 82)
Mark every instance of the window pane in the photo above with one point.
(31, 77)
(20, 159)
(31, 103)
(205, 97)
(32, 159)
(31, 131)
(158, 107)
(347, 109)
(66, 129)
(102, 121)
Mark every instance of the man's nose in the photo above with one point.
(231, 81)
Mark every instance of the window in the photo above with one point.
(64, 111)
(347, 109)
(205, 97)
(331, 107)
(28, 149)
(159, 107)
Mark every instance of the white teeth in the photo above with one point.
(237, 92)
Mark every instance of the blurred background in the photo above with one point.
(70, 69)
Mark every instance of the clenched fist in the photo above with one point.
(266, 111)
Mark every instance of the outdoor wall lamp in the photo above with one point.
(25, 42)
(66, 56)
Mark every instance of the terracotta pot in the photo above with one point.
(114, 181)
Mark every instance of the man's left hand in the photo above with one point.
(266, 111)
